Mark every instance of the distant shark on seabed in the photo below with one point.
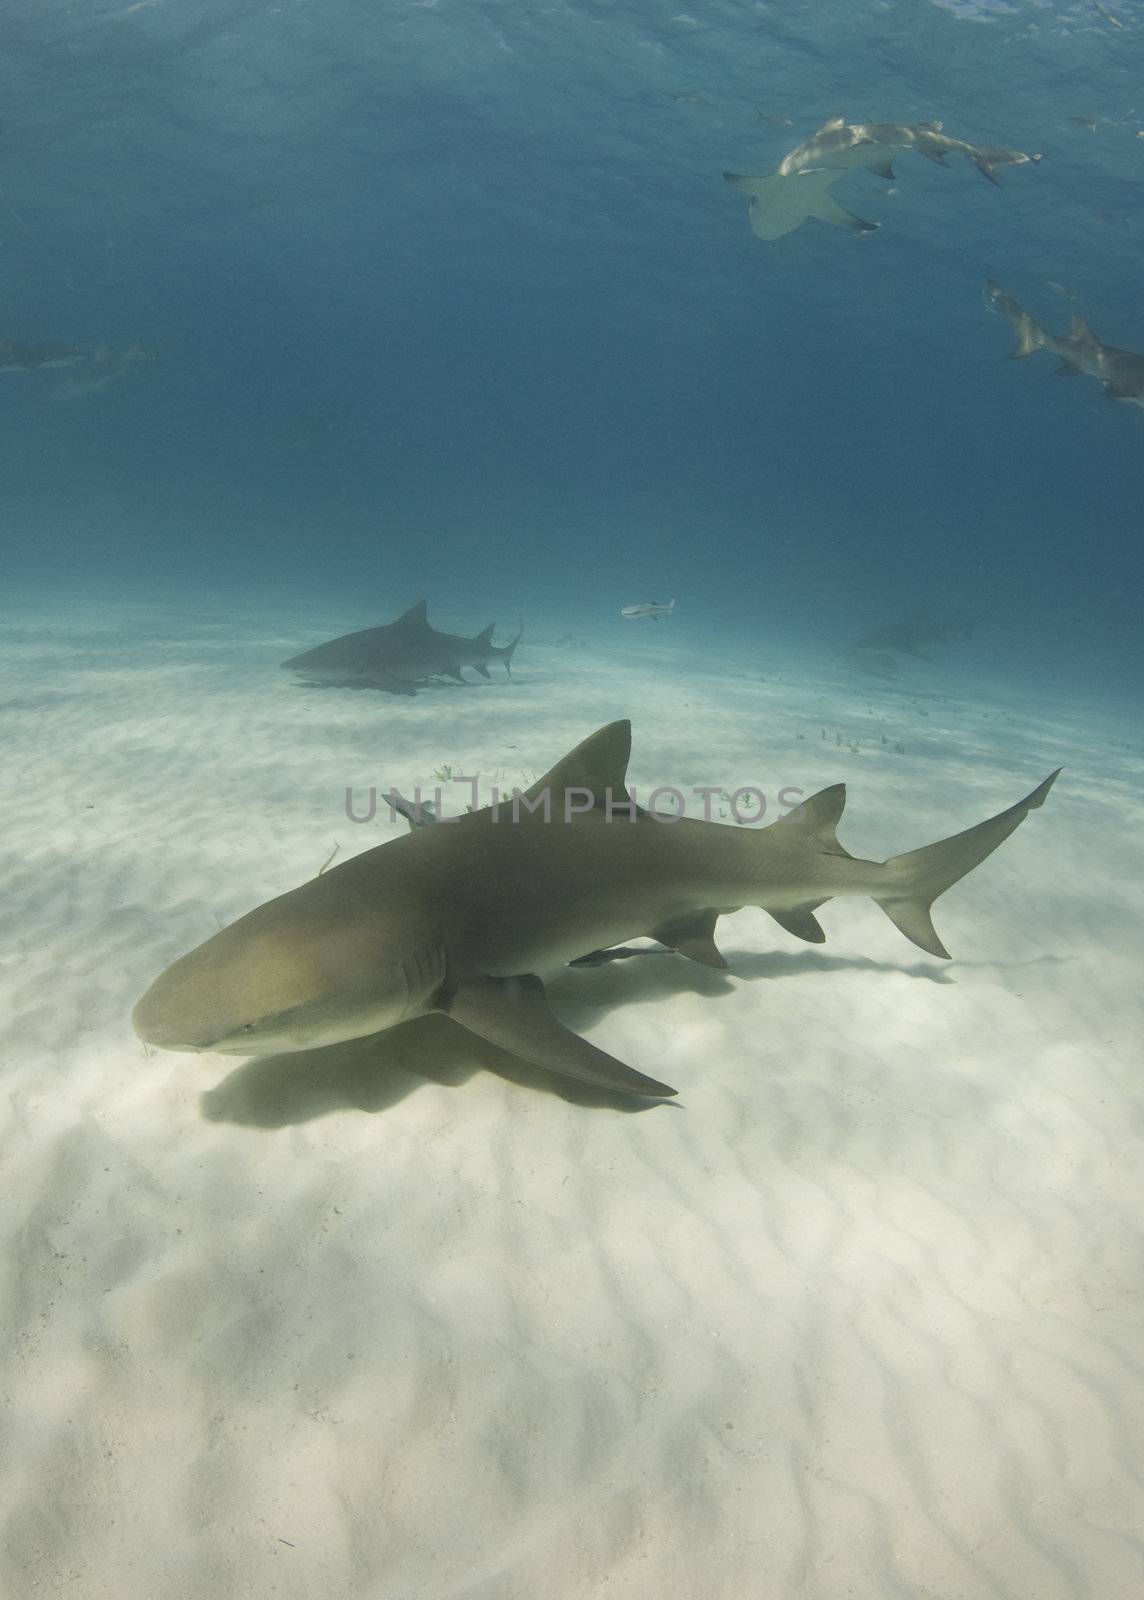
(800, 186)
(648, 608)
(401, 656)
(464, 918)
(908, 637)
(1080, 352)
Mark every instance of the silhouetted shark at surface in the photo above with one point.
(800, 186)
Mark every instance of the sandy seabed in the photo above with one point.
(862, 1314)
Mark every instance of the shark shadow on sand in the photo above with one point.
(462, 918)
(401, 656)
(908, 637)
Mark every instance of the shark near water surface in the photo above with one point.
(800, 186)
(463, 917)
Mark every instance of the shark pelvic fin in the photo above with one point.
(694, 937)
(802, 922)
(920, 876)
(599, 764)
(1068, 369)
(514, 1014)
(479, 666)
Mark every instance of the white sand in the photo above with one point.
(861, 1316)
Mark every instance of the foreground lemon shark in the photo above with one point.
(461, 917)
(800, 186)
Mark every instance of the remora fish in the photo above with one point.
(800, 186)
(462, 917)
(650, 608)
(401, 655)
(1080, 351)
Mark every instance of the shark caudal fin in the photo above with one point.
(1030, 335)
(505, 655)
(918, 877)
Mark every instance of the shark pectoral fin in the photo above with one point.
(479, 666)
(514, 1014)
(694, 937)
(827, 209)
(985, 168)
(802, 922)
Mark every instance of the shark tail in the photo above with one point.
(916, 879)
(506, 655)
(1030, 335)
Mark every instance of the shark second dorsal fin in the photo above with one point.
(1081, 331)
(818, 820)
(416, 617)
(599, 764)
(486, 637)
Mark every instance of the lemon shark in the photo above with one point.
(464, 916)
(401, 655)
(800, 186)
(1080, 352)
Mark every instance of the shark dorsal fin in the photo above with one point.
(831, 126)
(416, 617)
(598, 764)
(818, 818)
(932, 127)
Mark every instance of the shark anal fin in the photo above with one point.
(802, 922)
(514, 1014)
(693, 936)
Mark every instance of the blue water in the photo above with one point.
(451, 300)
